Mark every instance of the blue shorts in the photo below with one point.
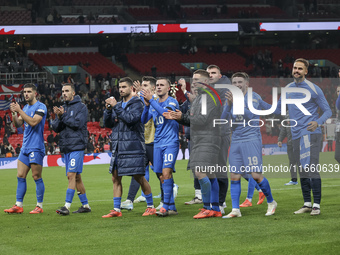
(246, 157)
(29, 156)
(74, 161)
(164, 157)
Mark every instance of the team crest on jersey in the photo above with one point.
(71, 113)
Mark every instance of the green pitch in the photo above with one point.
(253, 233)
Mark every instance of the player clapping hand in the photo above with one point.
(15, 107)
(171, 115)
(146, 94)
(110, 102)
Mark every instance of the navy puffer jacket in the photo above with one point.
(72, 126)
(127, 138)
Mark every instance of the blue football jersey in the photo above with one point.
(317, 100)
(34, 136)
(166, 130)
(241, 130)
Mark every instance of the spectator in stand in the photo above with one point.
(11, 149)
(7, 119)
(107, 138)
(91, 18)
(58, 19)
(101, 147)
(18, 149)
(56, 139)
(114, 20)
(100, 139)
(50, 149)
(97, 150)
(50, 139)
(49, 18)
(81, 19)
(109, 79)
(5, 139)
(87, 82)
(90, 147)
(70, 79)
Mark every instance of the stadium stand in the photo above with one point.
(93, 63)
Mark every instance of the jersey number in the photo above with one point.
(253, 161)
(159, 120)
(73, 162)
(168, 157)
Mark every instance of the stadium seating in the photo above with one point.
(14, 17)
(98, 64)
(166, 63)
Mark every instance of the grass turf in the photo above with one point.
(283, 233)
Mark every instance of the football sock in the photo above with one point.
(21, 190)
(264, 185)
(235, 192)
(172, 205)
(40, 190)
(308, 204)
(69, 196)
(316, 205)
(206, 191)
(149, 200)
(40, 205)
(20, 204)
(83, 199)
(116, 203)
(167, 189)
(214, 195)
(198, 193)
(251, 188)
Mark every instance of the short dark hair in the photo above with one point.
(71, 85)
(164, 78)
(213, 66)
(151, 79)
(304, 61)
(243, 75)
(128, 80)
(30, 85)
(202, 72)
